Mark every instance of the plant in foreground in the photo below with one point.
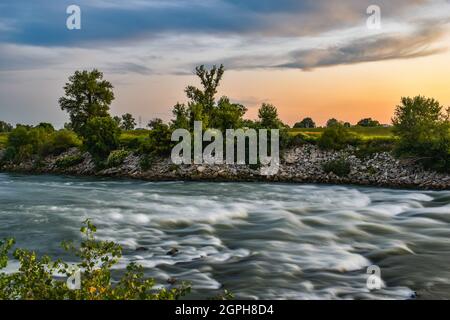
(36, 280)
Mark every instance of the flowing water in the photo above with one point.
(266, 241)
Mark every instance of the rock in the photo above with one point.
(173, 252)
(201, 169)
(172, 281)
(141, 249)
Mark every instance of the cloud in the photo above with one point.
(377, 48)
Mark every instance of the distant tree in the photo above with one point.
(210, 80)
(268, 116)
(118, 120)
(227, 115)
(332, 122)
(368, 122)
(181, 116)
(46, 126)
(305, 123)
(128, 122)
(347, 124)
(101, 137)
(423, 128)
(5, 127)
(159, 140)
(87, 96)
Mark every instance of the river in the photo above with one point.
(261, 241)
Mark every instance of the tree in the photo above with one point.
(210, 80)
(268, 117)
(87, 96)
(423, 128)
(368, 122)
(347, 124)
(332, 122)
(305, 123)
(335, 137)
(227, 115)
(181, 114)
(128, 122)
(118, 120)
(46, 126)
(5, 127)
(101, 137)
(159, 139)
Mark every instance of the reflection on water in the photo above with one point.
(270, 241)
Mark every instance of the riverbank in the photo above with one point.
(303, 164)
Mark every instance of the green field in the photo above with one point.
(3, 138)
(363, 132)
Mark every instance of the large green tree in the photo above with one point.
(423, 128)
(87, 95)
(305, 123)
(128, 122)
(102, 137)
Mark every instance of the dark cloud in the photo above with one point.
(42, 22)
(376, 48)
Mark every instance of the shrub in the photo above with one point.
(101, 137)
(35, 280)
(69, 161)
(116, 158)
(339, 167)
(336, 137)
(63, 140)
(423, 129)
(370, 147)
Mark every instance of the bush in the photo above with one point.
(101, 137)
(62, 141)
(35, 280)
(337, 137)
(116, 158)
(69, 161)
(370, 147)
(423, 129)
(339, 167)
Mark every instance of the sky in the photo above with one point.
(310, 58)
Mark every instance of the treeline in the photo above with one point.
(308, 123)
(420, 125)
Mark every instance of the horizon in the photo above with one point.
(308, 58)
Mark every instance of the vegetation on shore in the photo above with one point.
(41, 278)
(420, 131)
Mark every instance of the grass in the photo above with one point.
(3, 138)
(363, 132)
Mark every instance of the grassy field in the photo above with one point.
(365, 133)
(3, 138)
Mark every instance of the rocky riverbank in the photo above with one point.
(300, 165)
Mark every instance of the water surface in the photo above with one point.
(266, 241)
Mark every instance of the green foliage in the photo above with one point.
(24, 142)
(69, 161)
(116, 158)
(268, 117)
(127, 122)
(423, 129)
(305, 123)
(339, 167)
(46, 126)
(332, 123)
(35, 278)
(3, 140)
(101, 137)
(159, 142)
(146, 162)
(336, 137)
(87, 96)
(369, 147)
(227, 115)
(63, 140)
(368, 122)
(5, 127)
